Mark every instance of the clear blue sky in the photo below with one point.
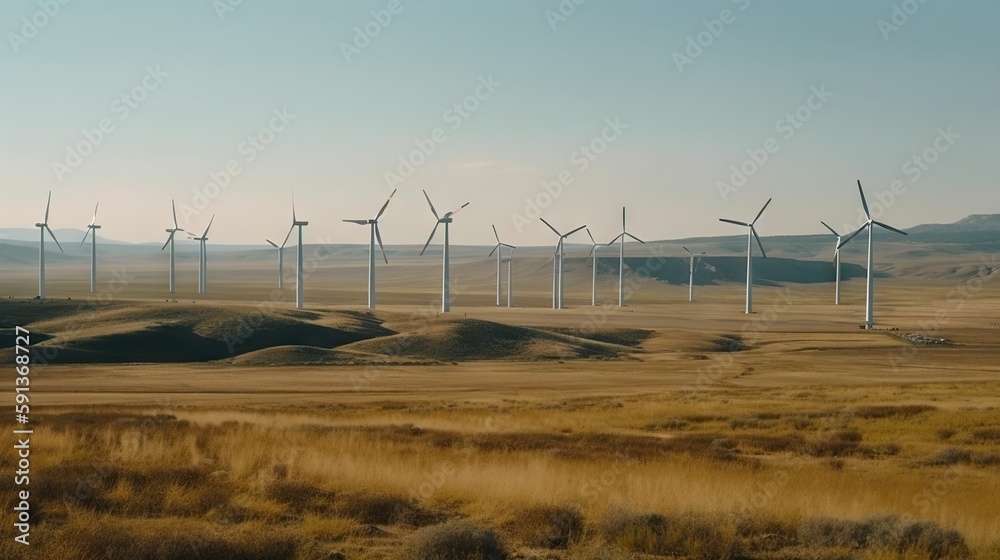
(559, 81)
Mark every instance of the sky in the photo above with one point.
(565, 110)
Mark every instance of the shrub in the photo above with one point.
(547, 526)
(454, 540)
(688, 535)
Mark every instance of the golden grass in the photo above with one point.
(542, 474)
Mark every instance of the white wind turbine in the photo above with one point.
(170, 241)
(691, 278)
(558, 285)
(43, 226)
(446, 272)
(870, 225)
(281, 263)
(510, 285)
(298, 255)
(374, 235)
(593, 281)
(751, 235)
(92, 231)
(621, 259)
(203, 260)
(836, 259)
(498, 249)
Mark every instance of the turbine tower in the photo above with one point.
(92, 231)
(558, 286)
(298, 254)
(373, 236)
(510, 285)
(446, 272)
(498, 249)
(836, 260)
(43, 226)
(593, 282)
(621, 259)
(751, 235)
(870, 225)
(281, 263)
(170, 241)
(691, 279)
(203, 258)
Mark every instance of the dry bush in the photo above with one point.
(923, 539)
(991, 435)
(843, 443)
(454, 540)
(547, 526)
(891, 411)
(688, 535)
(376, 508)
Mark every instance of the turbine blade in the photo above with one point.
(852, 236)
(888, 227)
(173, 207)
(761, 213)
(495, 247)
(612, 242)
(378, 237)
(623, 219)
(833, 231)
(386, 205)
(744, 224)
(495, 234)
(47, 228)
(459, 209)
(169, 238)
(591, 237)
(431, 204)
(688, 250)
(273, 244)
(554, 230)
(94, 219)
(759, 244)
(636, 238)
(863, 201)
(85, 234)
(205, 235)
(290, 230)
(431, 238)
(359, 222)
(574, 231)
(47, 204)
(511, 247)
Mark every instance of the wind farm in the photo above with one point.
(645, 382)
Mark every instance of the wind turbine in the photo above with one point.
(170, 241)
(593, 283)
(621, 259)
(281, 263)
(203, 260)
(375, 235)
(498, 249)
(510, 285)
(751, 235)
(42, 228)
(836, 260)
(691, 279)
(298, 254)
(446, 273)
(870, 225)
(559, 284)
(92, 231)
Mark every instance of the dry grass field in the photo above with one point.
(663, 429)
